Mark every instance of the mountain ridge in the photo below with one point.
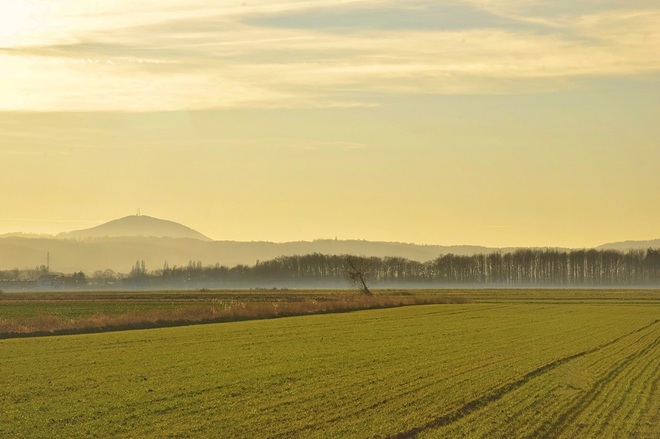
(630, 245)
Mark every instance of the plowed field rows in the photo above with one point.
(459, 370)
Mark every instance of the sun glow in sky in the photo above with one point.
(500, 123)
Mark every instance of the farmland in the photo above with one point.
(557, 364)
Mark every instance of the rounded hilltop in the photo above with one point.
(137, 225)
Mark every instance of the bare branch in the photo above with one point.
(358, 273)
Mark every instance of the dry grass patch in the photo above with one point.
(212, 311)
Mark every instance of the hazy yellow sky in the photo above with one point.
(499, 123)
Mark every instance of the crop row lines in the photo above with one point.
(484, 400)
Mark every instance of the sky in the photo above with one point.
(485, 122)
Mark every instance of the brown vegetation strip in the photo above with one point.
(500, 392)
(45, 325)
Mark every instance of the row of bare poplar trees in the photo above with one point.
(521, 267)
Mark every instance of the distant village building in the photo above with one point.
(50, 282)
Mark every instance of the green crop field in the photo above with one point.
(518, 366)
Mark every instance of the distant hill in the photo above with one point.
(631, 245)
(137, 225)
(118, 244)
(120, 253)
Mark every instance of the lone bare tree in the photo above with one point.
(358, 272)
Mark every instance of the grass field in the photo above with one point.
(510, 364)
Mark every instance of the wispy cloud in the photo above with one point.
(321, 146)
(296, 144)
(130, 56)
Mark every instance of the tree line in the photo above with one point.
(521, 267)
(540, 267)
